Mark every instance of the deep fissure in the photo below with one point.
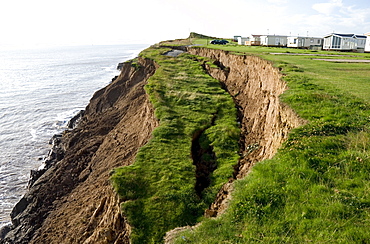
(204, 159)
(240, 114)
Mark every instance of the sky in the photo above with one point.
(26, 23)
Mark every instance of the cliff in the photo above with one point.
(74, 202)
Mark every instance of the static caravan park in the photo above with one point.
(333, 41)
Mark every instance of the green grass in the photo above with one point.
(350, 78)
(317, 187)
(158, 190)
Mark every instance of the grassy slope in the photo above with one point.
(317, 188)
(158, 189)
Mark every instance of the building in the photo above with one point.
(254, 40)
(367, 45)
(242, 40)
(345, 42)
(274, 41)
(235, 39)
(305, 42)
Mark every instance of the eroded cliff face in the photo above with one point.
(74, 202)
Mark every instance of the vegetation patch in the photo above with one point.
(177, 175)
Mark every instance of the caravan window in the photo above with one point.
(336, 42)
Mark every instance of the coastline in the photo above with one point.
(55, 154)
(40, 92)
(72, 158)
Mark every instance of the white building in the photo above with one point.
(254, 40)
(367, 45)
(344, 42)
(305, 42)
(274, 41)
(242, 40)
(236, 38)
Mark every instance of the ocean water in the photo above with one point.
(40, 91)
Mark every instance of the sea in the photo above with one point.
(41, 89)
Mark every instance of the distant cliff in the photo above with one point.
(74, 202)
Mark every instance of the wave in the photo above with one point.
(63, 118)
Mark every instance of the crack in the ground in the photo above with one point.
(203, 158)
